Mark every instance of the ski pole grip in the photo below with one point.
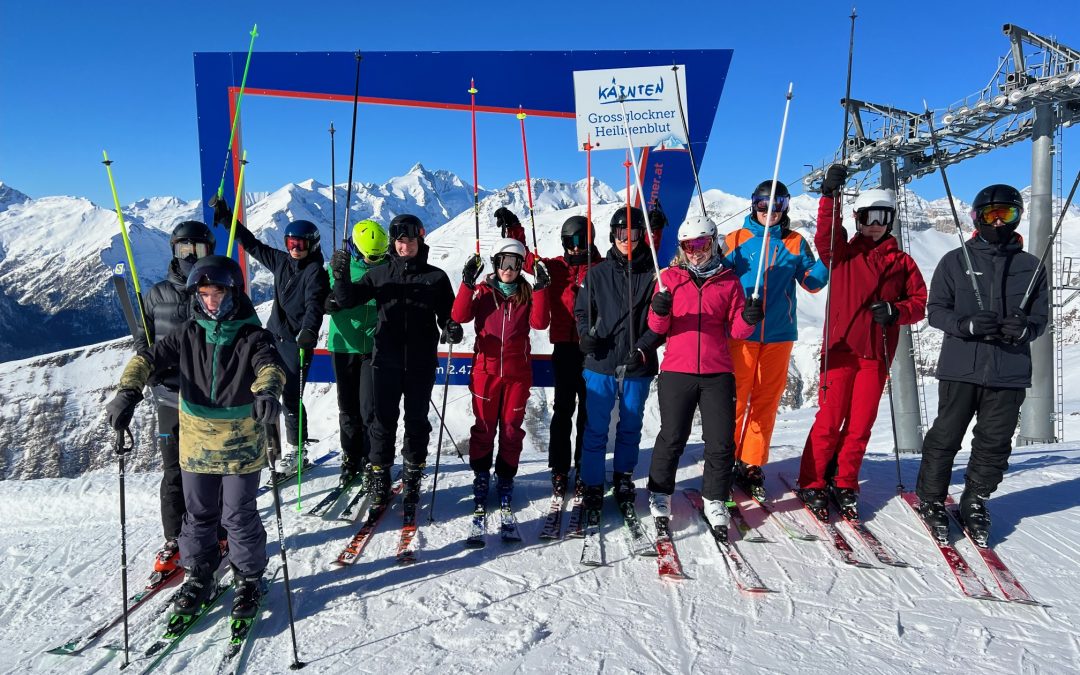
(120, 447)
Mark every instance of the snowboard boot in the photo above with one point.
(247, 591)
(623, 484)
(659, 505)
(847, 501)
(973, 513)
(559, 481)
(410, 484)
(379, 486)
(817, 500)
(716, 512)
(505, 489)
(168, 558)
(937, 520)
(196, 591)
(751, 479)
(286, 464)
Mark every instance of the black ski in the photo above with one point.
(477, 528)
(179, 627)
(331, 498)
(553, 521)
(575, 527)
(637, 539)
(237, 650)
(592, 548)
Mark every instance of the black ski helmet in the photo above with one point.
(217, 270)
(998, 194)
(304, 229)
(765, 186)
(618, 219)
(406, 225)
(576, 225)
(193, 230)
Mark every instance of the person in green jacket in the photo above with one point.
(350, 343)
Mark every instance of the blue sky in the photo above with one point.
(79, 77)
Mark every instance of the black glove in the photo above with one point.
(331, 306)
(833, 182)
(453, 333)
(589, 343)
(541, 276)
(981, 323)
(1015, 327)
(307, 339)
(661, 303)
(753, 311)
(266, 408)
(471, 272)
(634, 359)
(119, 410)
(885, 313)
(222, 212)
(339, 264)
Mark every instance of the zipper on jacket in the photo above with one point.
(502, 332)
(214, 363)
(700, 293)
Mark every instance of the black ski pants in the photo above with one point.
(391, 385)
(291, 396)
(680, 394)
(228, 501)
(997, 412)
(356, 406)
(172, 488)
(567, 362)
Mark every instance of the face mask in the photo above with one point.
(996, 235)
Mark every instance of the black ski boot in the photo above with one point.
(817, 500)
(594, 498)
(847, 502)
(196, 591)
(349, 474)
(973, 513)
(750, 478)
(481, 483)
(623, 484)
(379, 486)
(410, 484)
(505, 489)
(937, 520)
(559, 481)
(247, 592)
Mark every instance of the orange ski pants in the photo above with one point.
(760, 378)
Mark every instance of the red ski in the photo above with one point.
(1006, 580)
(840, 546)
(356, 546)
(667, 558)
(970, 584)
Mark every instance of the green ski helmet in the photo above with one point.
(370, 239)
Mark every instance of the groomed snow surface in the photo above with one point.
(531, 607)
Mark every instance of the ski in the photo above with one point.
(354, 507)
(179, 627)
(786, 522)
(282, 479)
(970, 584)
(508, 527)
(237, 650)
(746, 578)
(871, 541)
(667, 558)
(746, 531)
(1010, 586)
(406, 547)
(637, 539)
(477, 529)
(576, 525)
(157, 582)
(331, 498)
(356, 545)
(592, 547)
(840, 546)
(553, 521)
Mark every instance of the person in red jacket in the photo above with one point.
(504, 307)
(702, 307)
(567, 275)
(874, 288)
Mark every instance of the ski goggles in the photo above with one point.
(696, 245)
(576, 240)
(405, 232)
(780, 204)
(508, 261)
(297, 244)
(622, 234)
(185, 248)
(987, 215)
(882, 217)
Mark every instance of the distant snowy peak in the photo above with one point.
(9, 196)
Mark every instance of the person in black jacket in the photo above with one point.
(985, 363)
(413, 299)
(301, 286)
(620, 353)
(167, 306)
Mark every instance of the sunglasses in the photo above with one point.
(186, 248)
(622, 233)
(780, 204)
(1010, 215)
(696, 245)
(882, 217)
(507, 261)
(297, 244)
(579, 240)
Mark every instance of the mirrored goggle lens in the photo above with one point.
(882, 217)
(506, 261)
(186, 249)
(780, 204)
(296, 244)
(696, 245)
(405, 231)
(621, 233)
(578, 240)
(1009, 215)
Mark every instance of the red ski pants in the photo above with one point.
(498, 404)
(760, 378)
(848, 408)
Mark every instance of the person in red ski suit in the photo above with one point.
(874, 288)
(504, 307)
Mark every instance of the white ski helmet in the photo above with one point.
(506, 246)
(875, 205)
(697, 226)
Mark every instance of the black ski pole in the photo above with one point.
(442, 425)
(333, 189)
(352, 155)
(448, 434)
(1049, 243)
(122, 450)
(275, 444)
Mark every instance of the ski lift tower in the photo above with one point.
(1034, 92)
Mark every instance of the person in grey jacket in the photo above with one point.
(985, 363)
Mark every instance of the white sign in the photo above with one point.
(652, 107)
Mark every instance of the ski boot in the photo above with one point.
(937, 520)
(410, 484)
(659, 505)
(817, 500)
(505, 489)
(623, 484)
(247, 592)
(168, 558)
(349, 474)
(716, 512)
(973, 514)
(847, 502)
(286, 464)
(196, 591)
(750, 478)
(559, 481)
(593, 498)
(379, 486)
(481, 483)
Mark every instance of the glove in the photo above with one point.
(453, 333)
(981, 323)
(1015, 328)
(885, 313)
(331, 305)
(541, 276)
(119, 410)
(835, 177)
(589, 343)
(339, 264)
(266, 408)
(753, 311)
(471, 272)
(306, 339)
(661, 303)
(222, 212)
(634, 359)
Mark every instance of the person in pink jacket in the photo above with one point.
(701, 307)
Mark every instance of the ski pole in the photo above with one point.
(333, 190)
(122, 450)
(588, 217)
(352, 156)
(689, 146)
(641, 193)
(1049, 243)
(952, 206)
(300, 436)
(528, 180)
(236, 113)
(476, 186)
(772, 196)
(275, 444)
(442, 425)
(892, 408)
(127, 246)
(448, 434)
(237, 204)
